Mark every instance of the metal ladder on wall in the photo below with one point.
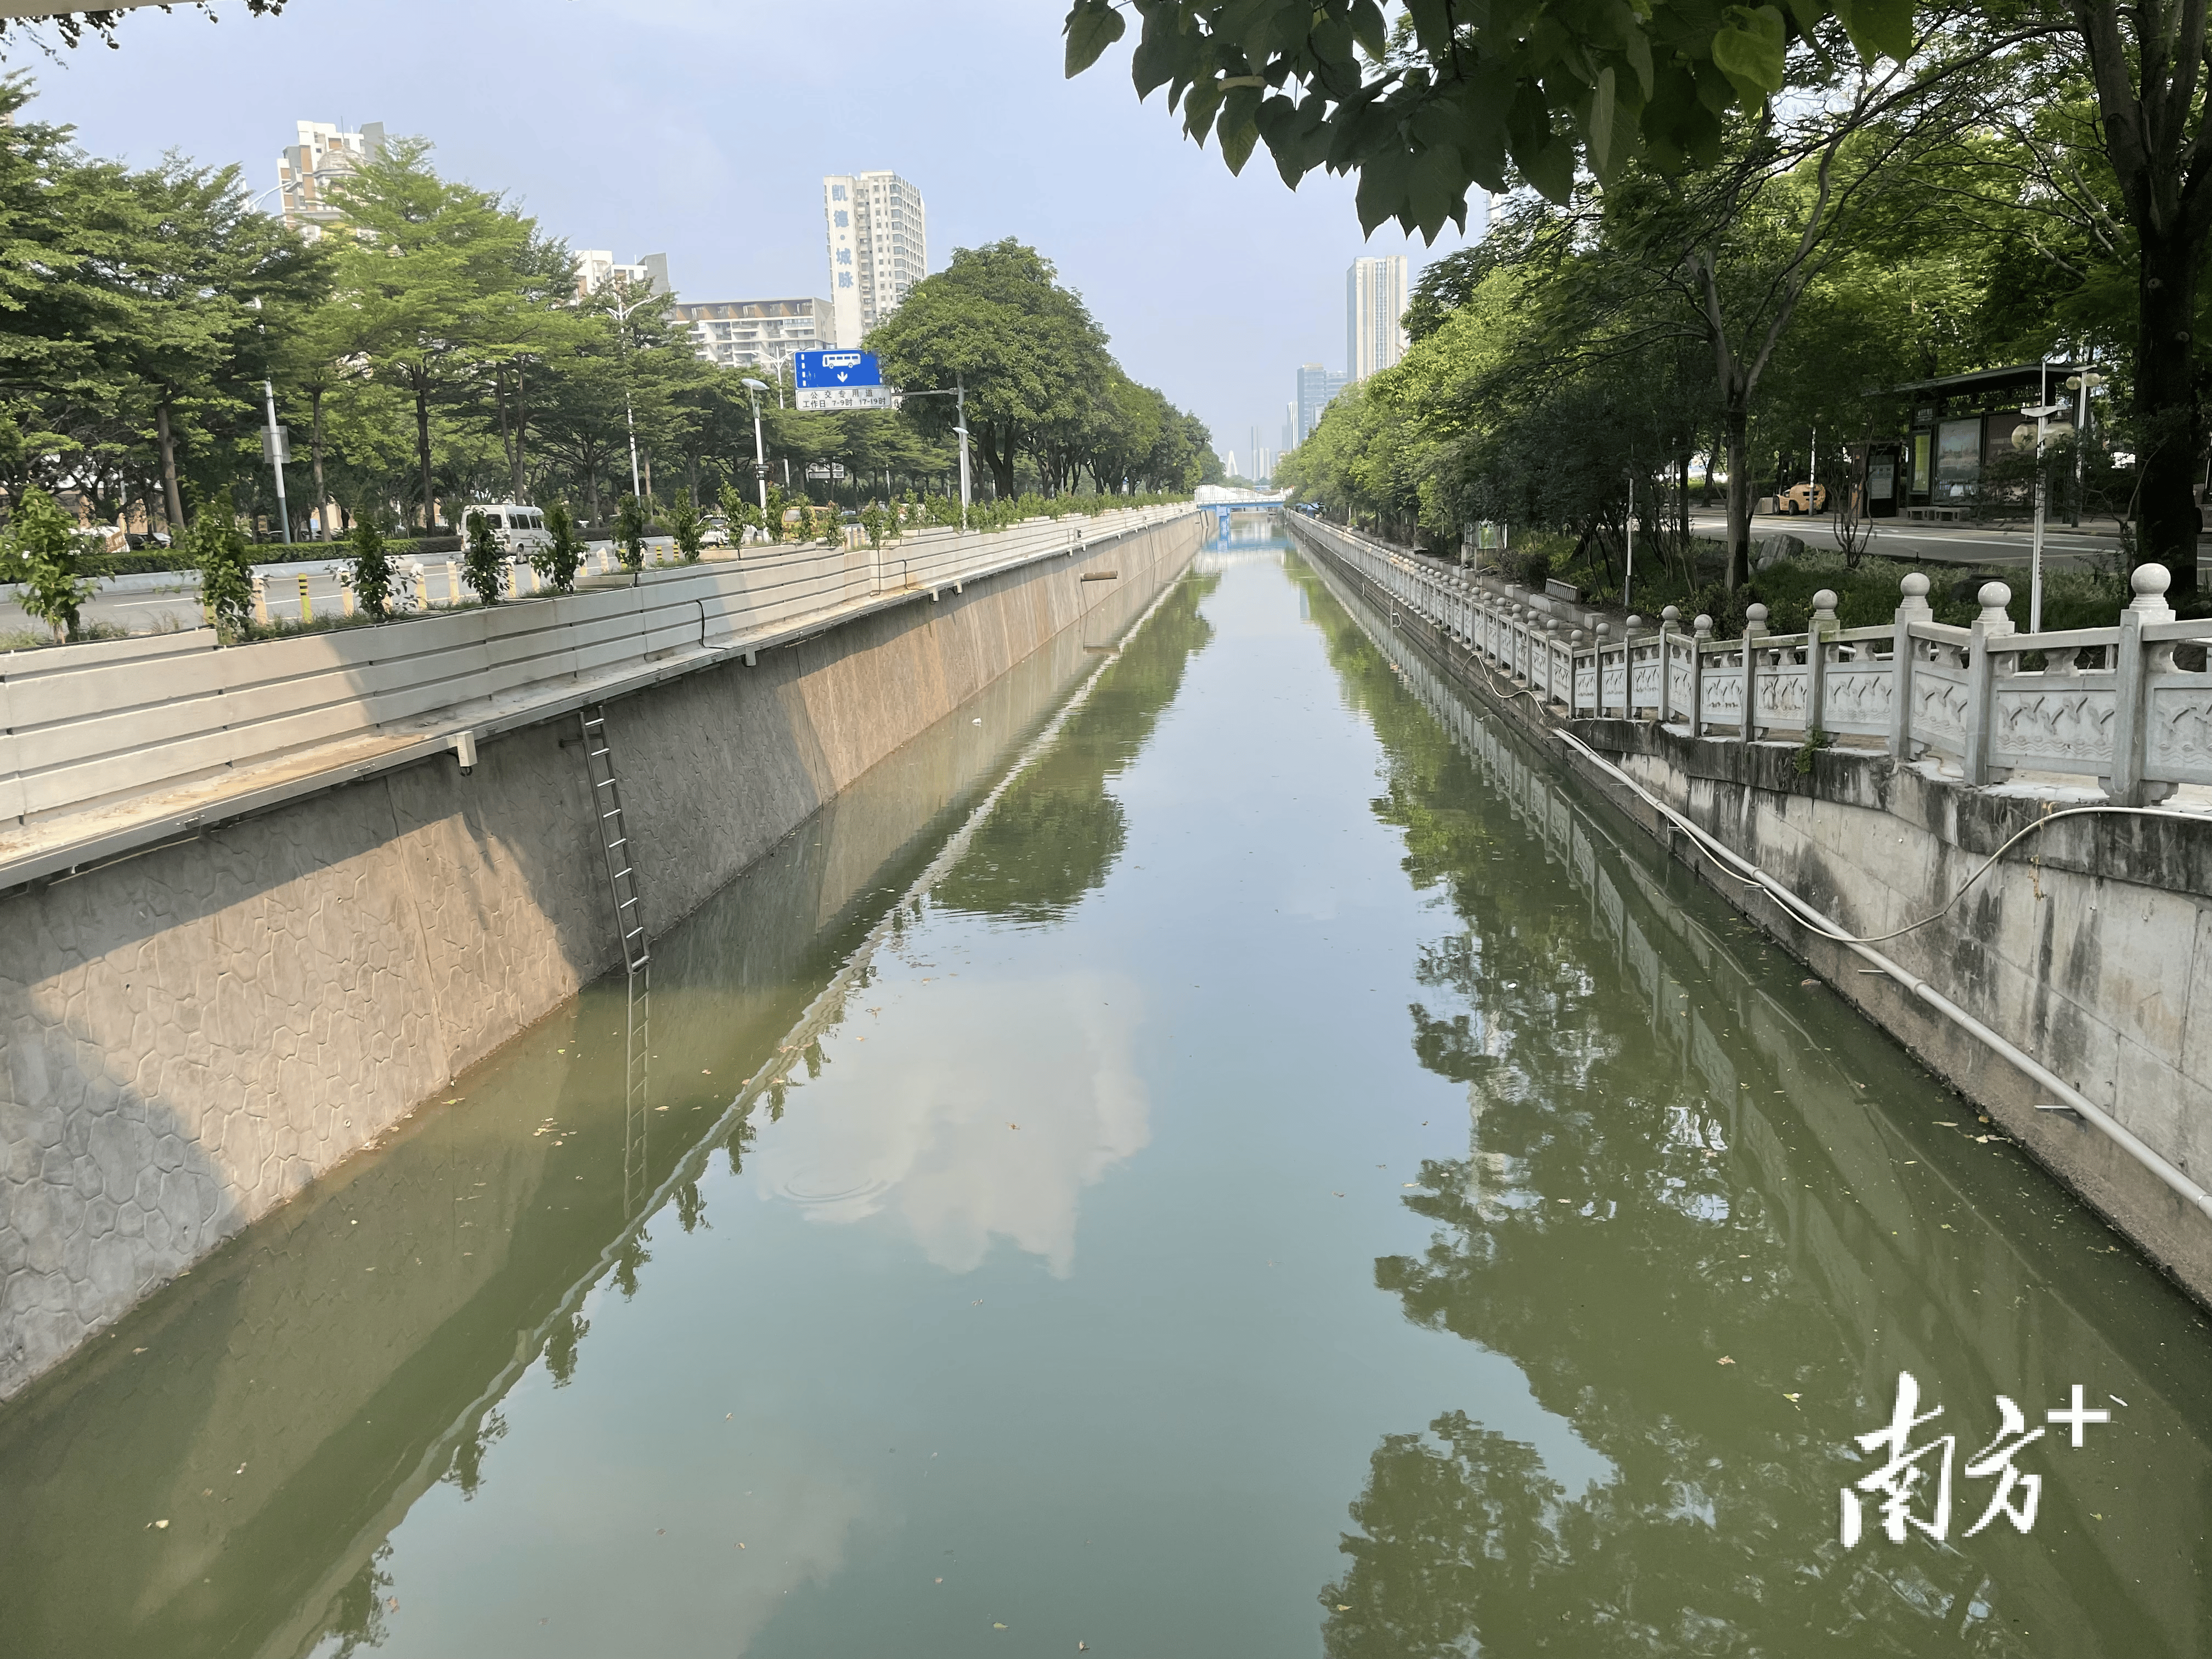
(637, 955)
(614, 839)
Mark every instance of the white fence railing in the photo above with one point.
(2107, 703)
(83, 724)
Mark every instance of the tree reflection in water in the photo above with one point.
(1683, 1264)
(1055, 835)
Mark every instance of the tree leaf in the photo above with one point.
(1598, 130)
(1879, 28)
(1236, 141)
(1092, 25)
(1371, 30)
(1749, 50)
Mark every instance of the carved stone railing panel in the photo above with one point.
(2108, 703)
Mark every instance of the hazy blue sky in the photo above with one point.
(701, 128)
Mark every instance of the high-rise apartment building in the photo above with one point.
(760, 332)
(1375, 308)
(596, 268)
(1317, 386)
(878, 247)
(305, 171)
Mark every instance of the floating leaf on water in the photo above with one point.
(1725, 1360)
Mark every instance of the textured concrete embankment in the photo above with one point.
(190, 1036)
(2089, 947)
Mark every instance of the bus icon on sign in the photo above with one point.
(835, 369)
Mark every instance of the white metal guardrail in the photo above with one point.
(2106, 703)
(102, 722)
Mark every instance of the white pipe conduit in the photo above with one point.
(2072, 1098)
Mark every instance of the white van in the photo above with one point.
(521, 529)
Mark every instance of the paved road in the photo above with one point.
(1899, 538)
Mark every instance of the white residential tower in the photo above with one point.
(878, 247)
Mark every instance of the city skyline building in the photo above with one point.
(305, 171)
(1317, 387)
(597, 266)
(760, 332)
(1375, 311)
(878, 236)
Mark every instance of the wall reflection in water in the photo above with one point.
(1688, 1213)
(220, 1475)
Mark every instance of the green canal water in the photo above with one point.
(1213, 1152)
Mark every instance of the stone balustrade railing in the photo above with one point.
(2106, 703)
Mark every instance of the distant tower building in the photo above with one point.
(596, 268)
(761, 332)
(1375, 304)
(1290, 426)
(305, 171)
(1317, 386)
(878, 247)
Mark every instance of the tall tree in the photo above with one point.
(2147, 63)
(437, 279)
(997, 321)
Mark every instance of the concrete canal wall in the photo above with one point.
(2089, 947)
(190, 1035)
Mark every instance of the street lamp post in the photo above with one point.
(959, 393)
(275, 438)
(622, 315)
(753, 389)
(2042, 412)
(2081, 385)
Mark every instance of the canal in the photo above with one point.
(1212, 1151)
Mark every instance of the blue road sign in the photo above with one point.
(837, 369)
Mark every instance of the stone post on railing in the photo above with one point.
(1754, 629)
(1629, 630)
(1913, 608)
(1670, 621)
(1817, 634)
(1981, 679)
(1597, 680)
(1701, 636)
(2131, 705)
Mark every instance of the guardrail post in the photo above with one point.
(1981, 679)
(1597, 677)
(1913, 608)
(1700, 638)
(1754, 629)
(2131, 706)
(260, 600)
(1669, 620)
(1816, 660)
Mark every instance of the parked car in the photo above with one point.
(521, 529)
(714, 531)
